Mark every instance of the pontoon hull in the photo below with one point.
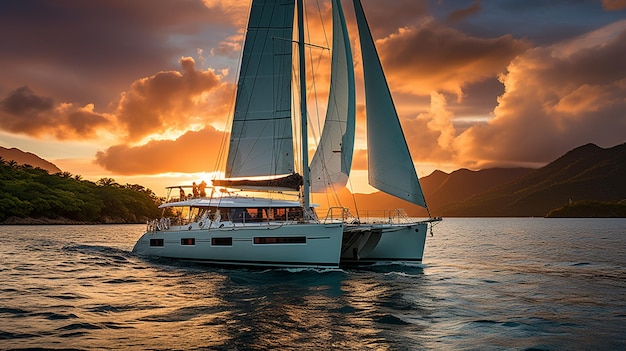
(397, 243)
(287, 245)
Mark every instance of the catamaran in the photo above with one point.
(228, 228)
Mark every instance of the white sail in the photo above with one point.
(390, 166)
(261, 141)
(331, 163)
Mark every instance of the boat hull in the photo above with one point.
(308, 245)
(397, 243)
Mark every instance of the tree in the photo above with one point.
(107, 182)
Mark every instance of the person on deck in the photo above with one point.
(201, 188)
(182, 193)
(195, 190)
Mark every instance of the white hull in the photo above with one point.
(397, 243)
(307, 245)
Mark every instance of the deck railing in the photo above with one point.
(394, 216)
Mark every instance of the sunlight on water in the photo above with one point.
(548, 284)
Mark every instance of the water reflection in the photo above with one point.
(80, 287)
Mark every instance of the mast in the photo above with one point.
(303, 109)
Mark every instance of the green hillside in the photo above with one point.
(32, 195)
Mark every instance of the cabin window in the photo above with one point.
(281, 240)
(156, 242)
(240, 215)
(222, 241)
(287, 214)
(188, 241)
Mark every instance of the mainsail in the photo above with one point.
(261, 141)
(333, 158)
(390, 166)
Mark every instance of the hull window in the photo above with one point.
(281, 240)
(188, 241)
(222, 241)
(156, 242)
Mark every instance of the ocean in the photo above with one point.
(485, 284)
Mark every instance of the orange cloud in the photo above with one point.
(23, 111)
(169, 101)
(613, 5)
(555, 98)
(173, 101)
(230, 11)
(431, 134)
(430, 56)
(192, 152)
(385, 17)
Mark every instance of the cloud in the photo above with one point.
(430, 56)
(191, 152)
(556, 98)
(89, 51)
(385, 17)
(23, 111)
(168, 103)
(613, 5)
(430, 135)
(459, 15)
(24, 101)
(173, 101)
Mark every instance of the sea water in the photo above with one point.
(485, 284)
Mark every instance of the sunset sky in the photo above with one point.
(141, 91)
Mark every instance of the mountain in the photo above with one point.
(440, 189)
(588, 172)
(27, 158)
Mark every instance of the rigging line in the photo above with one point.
(313, 75)
(222, 153)
(319, 11)
(305, 44)
(319, 127)
(313, 91)
(356, 208)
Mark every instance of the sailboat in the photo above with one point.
(266, 231)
